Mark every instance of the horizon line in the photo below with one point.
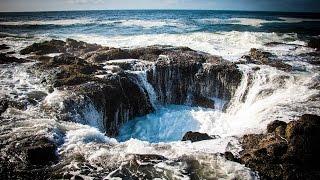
(160, 9)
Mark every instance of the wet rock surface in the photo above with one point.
(6, 59)
(257, 56)
(69, 46)
(87, 70)
(179, 74)
(203, 102)
(287, 151)
(4, 46)
(30, 157)
(314, 43)
(4, 104)
(196, 136)
(105, 94)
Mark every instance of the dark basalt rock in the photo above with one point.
(229, 156)
(57, 46)
(203, 102)
(4, 104)
(314, 43)
(196, 136)
(78, 48)
(5, 59)
(180, 74)
(288, 151)
(119, 96)
(27, 157)
(4, 46)
(10, 52)
(311, 57)
(110, 54)
(36, 96)
(67, 70)
(257, 56)
(274, 125)
(41, 152)
(46, 47)
(150, 53)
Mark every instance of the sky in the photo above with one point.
(249, 5)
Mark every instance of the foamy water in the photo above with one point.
(256, 22)
(265, 93)
(229, 45)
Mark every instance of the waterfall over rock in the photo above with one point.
(102, 116)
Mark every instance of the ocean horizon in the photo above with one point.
(159, 94)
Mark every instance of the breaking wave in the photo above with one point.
(229, 45)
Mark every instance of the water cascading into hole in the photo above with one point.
(264, 94)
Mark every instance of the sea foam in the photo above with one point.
(230, 45)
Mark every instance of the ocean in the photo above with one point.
(264, 93)
(225, 33)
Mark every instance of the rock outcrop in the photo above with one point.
(5, 59)
(102, 76)
(196, 136)
(180, 75)
(117, 99)
(70, 46)
(314, 43)
(257, 56)
(4, 46)
(4, 104)
(27, 157)
(287, 151)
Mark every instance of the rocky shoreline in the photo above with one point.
(89, 78)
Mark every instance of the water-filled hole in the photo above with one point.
(167, 124)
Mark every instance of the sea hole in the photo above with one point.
(166, 124)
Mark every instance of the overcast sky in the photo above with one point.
(251, 5)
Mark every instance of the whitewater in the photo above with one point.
(265, 93)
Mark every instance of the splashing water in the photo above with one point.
(264, 95)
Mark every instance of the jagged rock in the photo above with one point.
(274, 125)
(217, 80)
(10, 52)
(4, 104)
(290, 155)
(117, 94)
(196, 136)
(57, 46)
(4, 46)
(257, 56)
(314, 43)
(110, 54)
(79, 47)
(41, 152)
(311, 57)
(27, 156)
(229, 156)
(179, 74)
(150, 53)
(68, 70)
(203, 102)
(36, 96)
(5, 59)
(117, 98)
(46, 47)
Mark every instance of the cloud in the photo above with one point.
(85, 1)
